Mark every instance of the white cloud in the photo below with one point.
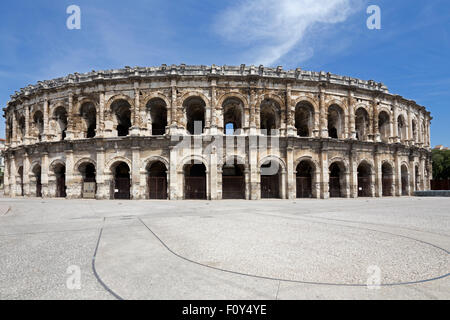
(269, 29)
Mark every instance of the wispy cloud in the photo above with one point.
(269, 29)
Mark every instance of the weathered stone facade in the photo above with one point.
(121, 130)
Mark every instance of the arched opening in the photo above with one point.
(404, 180)
(304, 178)
(157, 180)
(195, 181)
(364, 180)
(89, 188)
(335, 122)
(60, 174)
(20, 171)
(122, 181)
(270, 180)
(387, 179)
(122, 111)
(361, 124)
(60, 117)
(233, 181)
(233, 115)
(89, 115)
(37, 180)
(304, 115)
(195, 114)
(335, 180)
(269, 117)
(384, 126)
(401, 128)
(157, 109)
(38, 123)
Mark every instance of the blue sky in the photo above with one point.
(410, 54)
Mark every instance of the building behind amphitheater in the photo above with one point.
(199, 132)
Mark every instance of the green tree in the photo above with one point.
(441, 164)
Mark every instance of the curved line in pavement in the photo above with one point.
(115, 295)
(299, 281)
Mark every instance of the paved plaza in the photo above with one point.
(268, 249)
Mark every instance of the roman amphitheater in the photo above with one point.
(214, 132)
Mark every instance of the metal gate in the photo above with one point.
(363, 186)
(387, 186)
(195, 188)
(233, 187)
(157, 187)
(270, 187)
(61, 186)
(404, 185)
(304, 187)
(122, 188)
(38, 189)
(335, 187)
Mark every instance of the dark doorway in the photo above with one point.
(387, 179)
(60, 173)
(37, 175)
(364, 180)
(195, 181)
(270, 181)
(405, 180)
(21, 181)
(335, 181)
(122, 181)
(304, 180)
(157, 181)
(89, 189)
(233, 181)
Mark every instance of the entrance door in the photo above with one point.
(335, 187)
(157, 187)
(304, 187)
(270, 187)
(387, 186)
(61, 186)
(195, 188)
(233, 187)
(122, 188)
(363, 187)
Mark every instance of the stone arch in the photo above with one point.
(337, 181)
(271, 96)
(54, 164)
(304, 98)
(157, 110)
(231, 159)
(194, 157)
(336, 121)
(233, 111)
(384, 125)
(76, 167)
(155, 95)
(307, 177)
(152, 159)
(194, 110)
(233, 94)
(341, 104)
(366, 178)
(114, 161)
(117, 97)
(272, 158)
(194, 177)
(193, 94)
(304, 118)
(270, 117)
